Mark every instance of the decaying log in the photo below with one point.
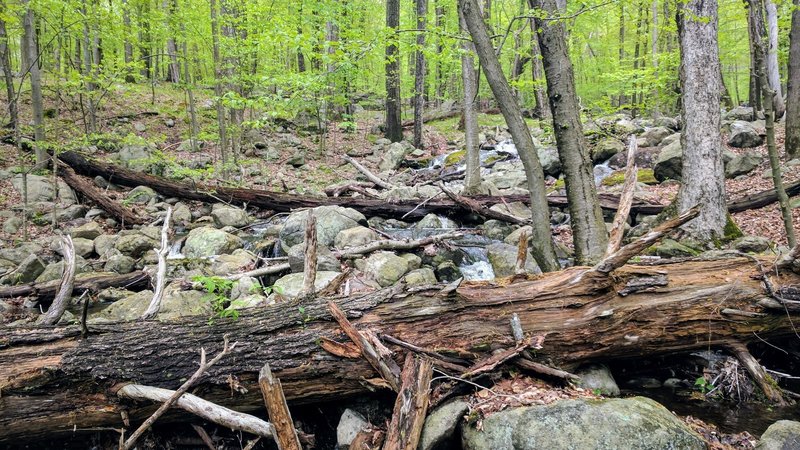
(476, 207)
(411, 405)
(757, 373)
(310, 262)
(435, 115)
(279, 416)
(161, 271)
(761, 199)
(48, 290)
(124, 215)
(625, 200)
(282, 202)
(51, 381)
(66, 285)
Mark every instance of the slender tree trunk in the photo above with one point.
(542, 243)
(440, 23)
(91, 119)
(636, 43)
(8, 75)
(542, 110)
(654, 56)
(793, 86)
(469, 76)
(621, 47)
(702, 173)
(419, 72)
(773, 73)
(394, 127)
(144, 40)
(218, 88)
(755, 83)
(760, 46)
(174, 68)
(31, 49)
(128, 46)
(590, 236)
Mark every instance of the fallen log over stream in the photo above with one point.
(282, 202)
(53, 382)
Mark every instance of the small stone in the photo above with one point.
(141, 195)
(420, 277)
(447, 271)
(350, 424)
(752, 244)
(140, 127)
(597, 377)
(12, 225)
(120, 264)
(89, 230)
(386, 267)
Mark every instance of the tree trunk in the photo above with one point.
(31, 49)
(793, 87)
(703, 176)
(8, 76)
(472, 180)
(128, 46)
(54, 383)
(419, 72)
(542, 243)
(755, 83)
(394, 129)
(440, 12)
(218, 88)
(773, 73)
(174, 68)
(590, 237)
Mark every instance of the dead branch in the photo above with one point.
(52, 316)
(370, 176)
(161, 272)
(479, 209)
(621, 256)
(278, 410)
(270, 270)
(386, 367)
(204, 437)
(124, 215)
(393, 244)
(310, 266)
(757, 373)
(49, 289)
(625, 200)
(177, 394)
(411, 405)
(522, 253)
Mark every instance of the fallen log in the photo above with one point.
(95, 282)
(52, 382)
(124, 215)
(282, 202)
(433, 116)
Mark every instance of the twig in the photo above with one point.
(61, 300)
(370, 176)
(204, 437)
(161, 273)
(757, 372)
(390, 244)
(177, 394)
(479, 208)
(260, 272)
(625, 200)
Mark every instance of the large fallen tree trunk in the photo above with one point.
(52, 381)
(282, 202)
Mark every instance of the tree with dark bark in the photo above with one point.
(394, 126)
(702, 172)
(469, 76)
(590, 237)
(420, 68)
(31, 50)
(793, 86)
(542, 243)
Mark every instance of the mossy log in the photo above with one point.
(52, 381)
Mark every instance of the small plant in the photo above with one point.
(702, 385)
(305, 318)
(220, 289)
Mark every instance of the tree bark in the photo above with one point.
(542, 244)
(541, 109)
(793, 86)
(703, 175)
(32, 51)
(420, 69)
(394, 129)
(53, 382)
(8, 76)
(590, 236)
(127, 45)
(773, 73)
(472, 179)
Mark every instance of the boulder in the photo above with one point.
(29, 269)
(597, 378)
(625, 127)
(516, 209)
(420, 277)
(55, 270)
(441, 424)
(740, 113)
(236, 262)
(635, 423)
(19, 253)
(350, 424)
(83, 247)
(208, 241)
(448, 271)
(744, 135)
(742, 164)
(548, 157)
(654, 136)
(606, 148)
(669, 248)
(71, 212)
(89, 230)
(781, 435)
(229, 216)
(40, 189)
(12, 225)
(120, 264)
(104, 243)
(141, 195)
(386, 267)
(670, 162)
(675, 137)
(325, 259)
(135, 245)
(503, 258)
(136, 157)
(393, 156)
(354, 237)
(433, 221)
(667, 122)
(176, 303)
(291, 285)
(181, 214)
(330, 221)
(752, 244)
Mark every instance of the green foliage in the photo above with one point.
(219, 289)
(702, 385)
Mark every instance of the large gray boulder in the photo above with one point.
(40, 189)
(236, 262)
(30, 268)
(606, 148)
(740, 113)
(176, 303)
(325, 259)
(55, 270)
(229, 216)
(441, 424)
(636, 423)
(136, 157)
(503, 258)
(141, 195)
(742, 164)
(134, 245)
(386, 267)
(781, 435)
(18, 254)
(393, 156)
(89, 230)
(670, 162)
(548, 156)
(208, 241)
(744, 135)
(330, 221)
(291, 285)
(354, 237)
(654, 136)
